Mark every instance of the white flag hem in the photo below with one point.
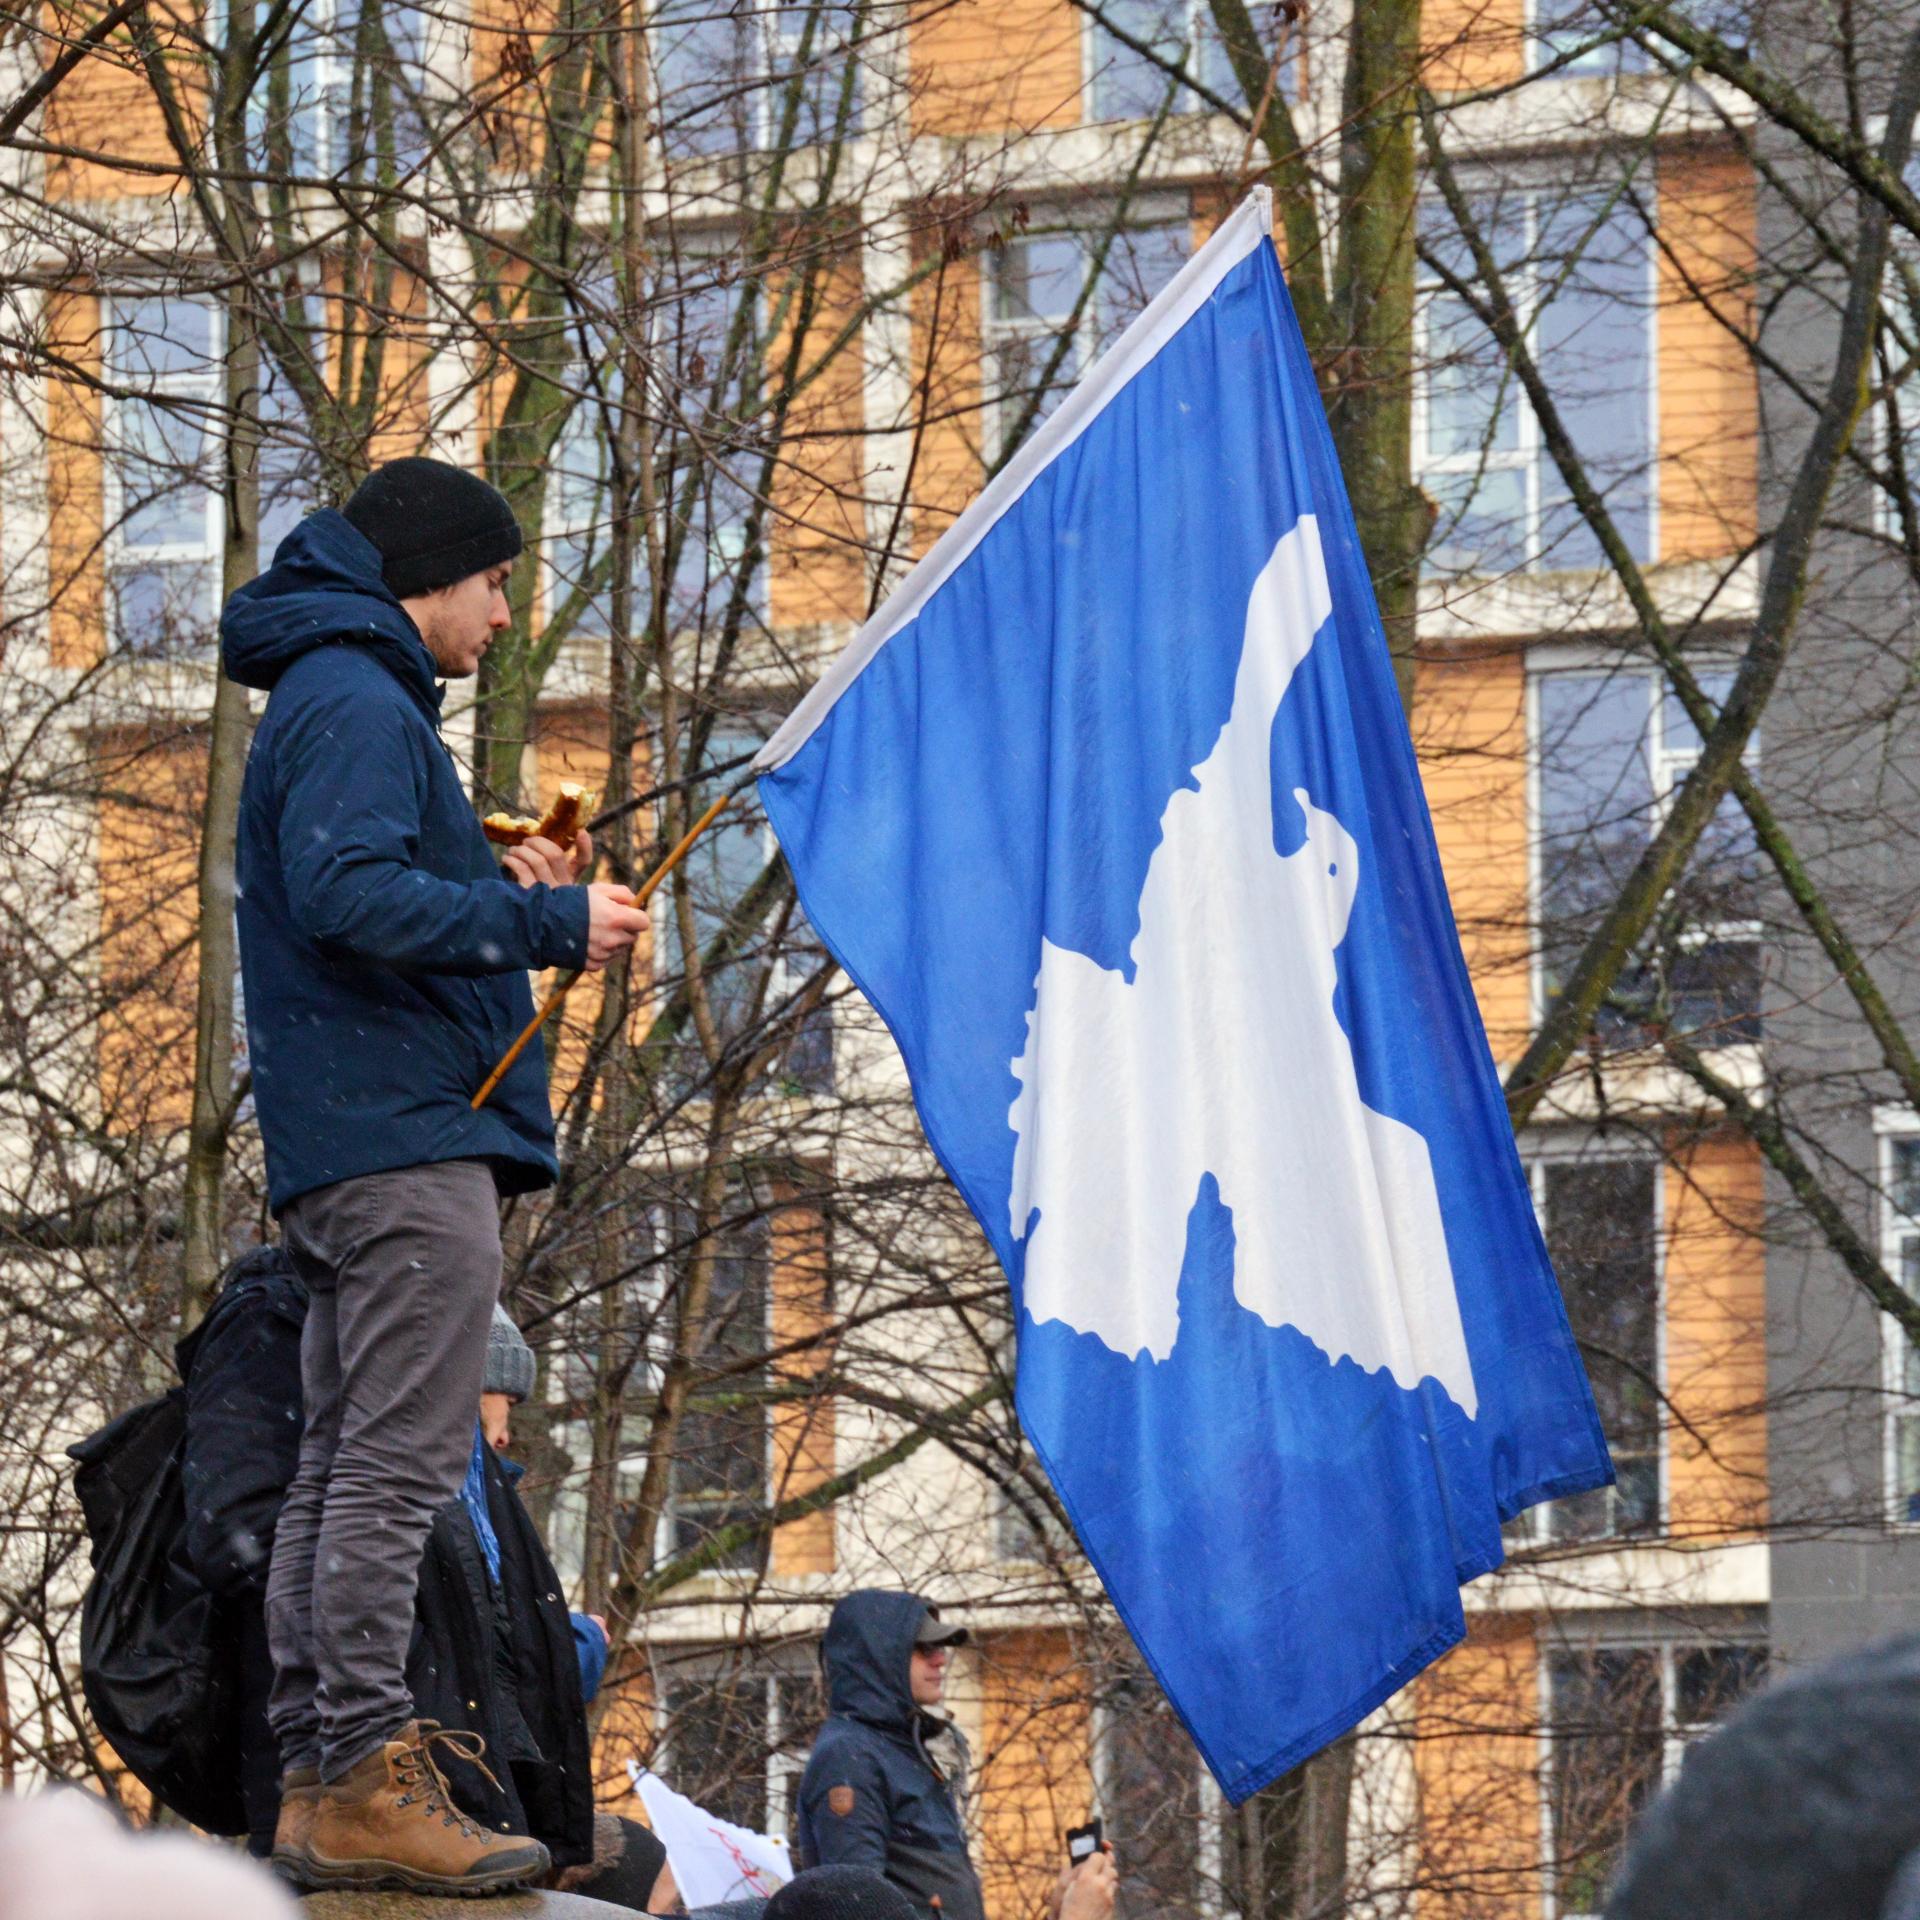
(1169, 310)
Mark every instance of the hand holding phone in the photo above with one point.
(1088, 1882)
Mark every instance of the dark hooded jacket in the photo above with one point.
(497, 1660)
(873, 1795)
(384, 956)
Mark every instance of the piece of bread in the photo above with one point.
(560, 823)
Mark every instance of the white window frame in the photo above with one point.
(798, 1661)
(1565, 1148)
(1879, 425)
(1097, 51)
(775, 46)
(1529, 456)
(784, 977)
(1879, 437)
(645, 1292)
(785, 974)
(204, 387)
(729, 540)
(1645, 63)
(1667, 769)
(633, 1468)
(781, 50)
(559, 523)
(1538, 59)
(1210, 1809)
(332, 80)
(1003, 411)
(1893, 1127)
(1675, 1735)
(327, 75)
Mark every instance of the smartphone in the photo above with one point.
(1084, 1842)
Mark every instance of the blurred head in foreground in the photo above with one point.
(1804, 1805)
(840, 1893)
(63, 1856)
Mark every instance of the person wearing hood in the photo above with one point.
(874, 1793)
(384, 958)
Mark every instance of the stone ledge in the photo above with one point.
(367, 1905)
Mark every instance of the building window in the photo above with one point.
(1618, 1721)
(737, 1743)
(1601, 1220)
(1569, 30)
(718, 1478)
(1027, 1528)
(1892, 439)
(1572, 37)
(289, 463)
(163, 435)
(1159, 1806)
(705, 487)
(1900, 1255)
(1127, 84)
(1611, 749)
(730, 76)
(165, 427)
(344, 89)
(1579, 272)
(1055, 300)
(759, 985)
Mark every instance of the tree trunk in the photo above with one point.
(213, 1089)
(1371, 400)
(1371, 413)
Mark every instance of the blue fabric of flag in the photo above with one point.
(1284, 1528)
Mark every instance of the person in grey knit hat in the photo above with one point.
(629, 1865)
(509, 1368)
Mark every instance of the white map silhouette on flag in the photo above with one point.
(1223, 1056)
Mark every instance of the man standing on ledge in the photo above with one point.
(384, 958)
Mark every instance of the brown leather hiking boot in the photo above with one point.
(391, 1823)
(299, 1802)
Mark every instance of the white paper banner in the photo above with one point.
(713, 1861)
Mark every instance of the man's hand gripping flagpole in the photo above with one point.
(564, 985)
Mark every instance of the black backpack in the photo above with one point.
(158, 1689)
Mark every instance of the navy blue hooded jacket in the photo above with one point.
(384, 955)
(872, 1795)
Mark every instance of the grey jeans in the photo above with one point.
(403, 1269)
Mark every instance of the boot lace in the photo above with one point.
(420, 1778)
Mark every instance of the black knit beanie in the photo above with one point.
(840, 1893)
(433, 523)
(627, 1859)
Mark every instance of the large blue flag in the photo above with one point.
(1112, 812)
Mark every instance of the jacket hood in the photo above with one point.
(324, 586)
(868, 1656)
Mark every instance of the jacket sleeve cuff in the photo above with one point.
(564, 928)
